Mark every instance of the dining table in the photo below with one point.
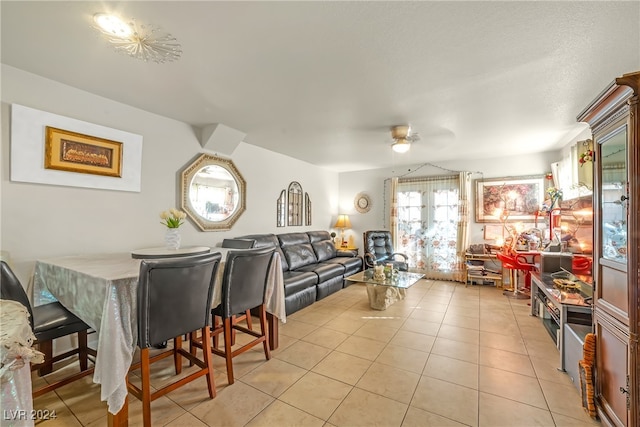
(101, 289)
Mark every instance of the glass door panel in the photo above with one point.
(614, 200)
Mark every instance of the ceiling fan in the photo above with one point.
(402, 138)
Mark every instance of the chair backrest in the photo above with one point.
(245, 279)
(11, 289)
(507, 261)
(378, 244)
(174, 296)
(238, 243)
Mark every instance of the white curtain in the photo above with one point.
(431, 218)
(393, 217)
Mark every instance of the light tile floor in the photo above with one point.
(447, 355)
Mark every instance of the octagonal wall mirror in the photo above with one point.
(212, 192)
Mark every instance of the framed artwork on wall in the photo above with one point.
(514, 199)
(30, 161)
(75, 152)
(494, 231)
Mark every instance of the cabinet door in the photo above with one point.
(612, 216)
(612, 388)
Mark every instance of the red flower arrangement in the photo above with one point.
(585, 157)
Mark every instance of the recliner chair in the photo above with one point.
(378, 249)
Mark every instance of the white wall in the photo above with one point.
(39, 221)
(372, 183)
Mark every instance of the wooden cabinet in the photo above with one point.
(613, 118)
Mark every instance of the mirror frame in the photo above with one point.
(187, 175)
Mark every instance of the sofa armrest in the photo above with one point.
(351, 253)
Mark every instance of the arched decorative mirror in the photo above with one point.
(295, 204)
(212, 193)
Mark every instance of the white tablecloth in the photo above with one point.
(16, 354)
(101, 290)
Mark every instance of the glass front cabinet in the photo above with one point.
(613, 119)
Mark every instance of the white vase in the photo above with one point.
(172, 238)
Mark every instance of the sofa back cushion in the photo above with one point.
(322, 245)
(270, 241)
(297, 249)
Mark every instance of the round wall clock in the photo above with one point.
(362, 203)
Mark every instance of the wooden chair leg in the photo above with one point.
(82, 350)
(46, 347)
(249, 320)
(208, 360)
(177, 358)
(227, 348)
(215, 326)
(233, 331)
(146, 387)
(192, 346)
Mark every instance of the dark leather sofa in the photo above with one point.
(312, 267)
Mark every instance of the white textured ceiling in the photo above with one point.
(324, 81)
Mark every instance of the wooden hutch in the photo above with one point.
(613, 118)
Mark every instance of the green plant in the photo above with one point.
(172, 218)
(555, 196)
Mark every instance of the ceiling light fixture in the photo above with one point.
(402, 138)
(401, 146)
(144, 42)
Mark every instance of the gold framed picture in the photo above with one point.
(519, 197)
(75, 152)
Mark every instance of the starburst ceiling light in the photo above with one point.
(140, 41)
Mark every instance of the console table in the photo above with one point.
(557, 308)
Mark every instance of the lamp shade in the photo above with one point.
(343, 221)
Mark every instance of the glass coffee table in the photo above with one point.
(383, 293)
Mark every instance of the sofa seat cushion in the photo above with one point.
(350, 264)
(297, 281)
(325, 270)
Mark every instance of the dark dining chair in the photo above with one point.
(48, 322)
(238, 243)
(174, 299)
(378, 249)
(244, 283)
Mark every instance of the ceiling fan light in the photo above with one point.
(401, 146)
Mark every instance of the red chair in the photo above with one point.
(509, 263)
(515, 263)
(526, 265)
(581, 265)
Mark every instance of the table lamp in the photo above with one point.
(342, 223)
